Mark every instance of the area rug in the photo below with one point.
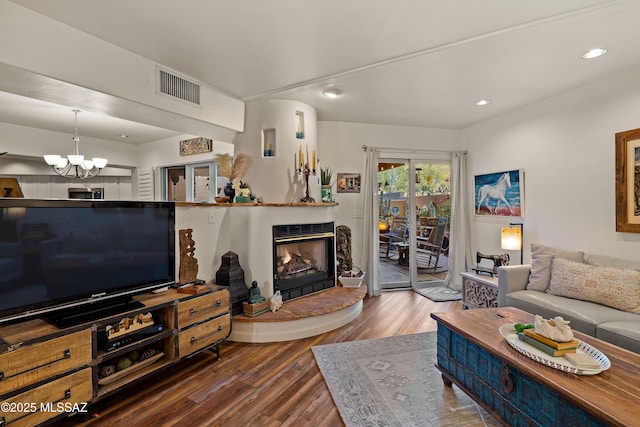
(393, 382)
(440, 293)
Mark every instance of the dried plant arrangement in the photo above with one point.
(225, 164)
(240, 166)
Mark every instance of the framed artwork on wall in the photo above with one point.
(628, 181)
(348, 183)
(195, 146)
(499, 194)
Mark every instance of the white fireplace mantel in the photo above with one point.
(252, 239)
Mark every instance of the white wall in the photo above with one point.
(566, 147)
(47, 47)
(166, 152)
(282, 184)
(31, 143)
(340, 147)
(211, 233)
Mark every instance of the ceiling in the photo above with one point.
(404, 62)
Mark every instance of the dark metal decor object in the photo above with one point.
(231, 275)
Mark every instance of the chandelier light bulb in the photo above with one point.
(52, 159)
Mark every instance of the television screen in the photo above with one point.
(59, 253)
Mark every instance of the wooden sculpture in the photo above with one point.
(188, 262)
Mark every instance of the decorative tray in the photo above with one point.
(131, 369)
(508, 331)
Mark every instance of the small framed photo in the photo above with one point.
(628, 181)
(195, 146)
(348, 182)
(499, 194)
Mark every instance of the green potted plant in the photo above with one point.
(325, 184)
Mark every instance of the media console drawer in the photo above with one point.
(202, 307)
(66, 394)
(204, 335)
(31, 364)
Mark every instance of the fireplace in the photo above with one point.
(303, 259)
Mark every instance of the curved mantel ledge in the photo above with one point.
(302, 317)
(273, 205)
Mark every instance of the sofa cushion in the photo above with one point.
(623, 333)
(584, 316)
(608, 261)
(613, 287)
(541, 257)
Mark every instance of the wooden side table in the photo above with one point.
(479, 291)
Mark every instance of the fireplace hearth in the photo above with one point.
(303, 259)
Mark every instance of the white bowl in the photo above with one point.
(351, 282)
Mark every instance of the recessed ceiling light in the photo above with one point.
(482, 102)
(332, 92)
(594, 53)
(122, 135)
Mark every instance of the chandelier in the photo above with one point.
(74, 166)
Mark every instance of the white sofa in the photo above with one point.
(600, 295)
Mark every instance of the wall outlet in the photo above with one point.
(212, 216)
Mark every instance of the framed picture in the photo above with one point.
(195, 146)
(499, 194)
(628, 181)
(348, 183)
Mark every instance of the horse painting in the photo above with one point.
(495, 191)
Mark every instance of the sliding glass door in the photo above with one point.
(414, 222)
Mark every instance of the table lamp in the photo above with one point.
(512, 239)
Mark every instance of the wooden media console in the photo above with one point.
(46, 368)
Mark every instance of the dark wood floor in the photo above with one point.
(275, 384)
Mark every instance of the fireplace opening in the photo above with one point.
(303, 259)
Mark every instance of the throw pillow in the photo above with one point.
(608, 261)
(541, 257)
(613, 287)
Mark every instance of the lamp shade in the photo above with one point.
(511, 238)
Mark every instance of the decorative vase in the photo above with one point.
(326, 193)
(229, 191)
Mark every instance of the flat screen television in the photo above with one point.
(78, 256)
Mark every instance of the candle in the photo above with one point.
(295, 161)
(300, 157)
(313, 153)
(307, 160)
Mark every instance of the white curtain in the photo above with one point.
(460, 258)
(370, 222)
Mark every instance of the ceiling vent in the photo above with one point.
(177, 87)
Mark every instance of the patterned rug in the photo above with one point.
(440, 293)
(393, 382)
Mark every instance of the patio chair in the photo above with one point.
(431, 247)
(397, 234)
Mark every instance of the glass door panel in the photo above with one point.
(433, 216)
(201, 184)
(394, 223)
(176, 184)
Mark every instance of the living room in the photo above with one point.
(563, 141)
